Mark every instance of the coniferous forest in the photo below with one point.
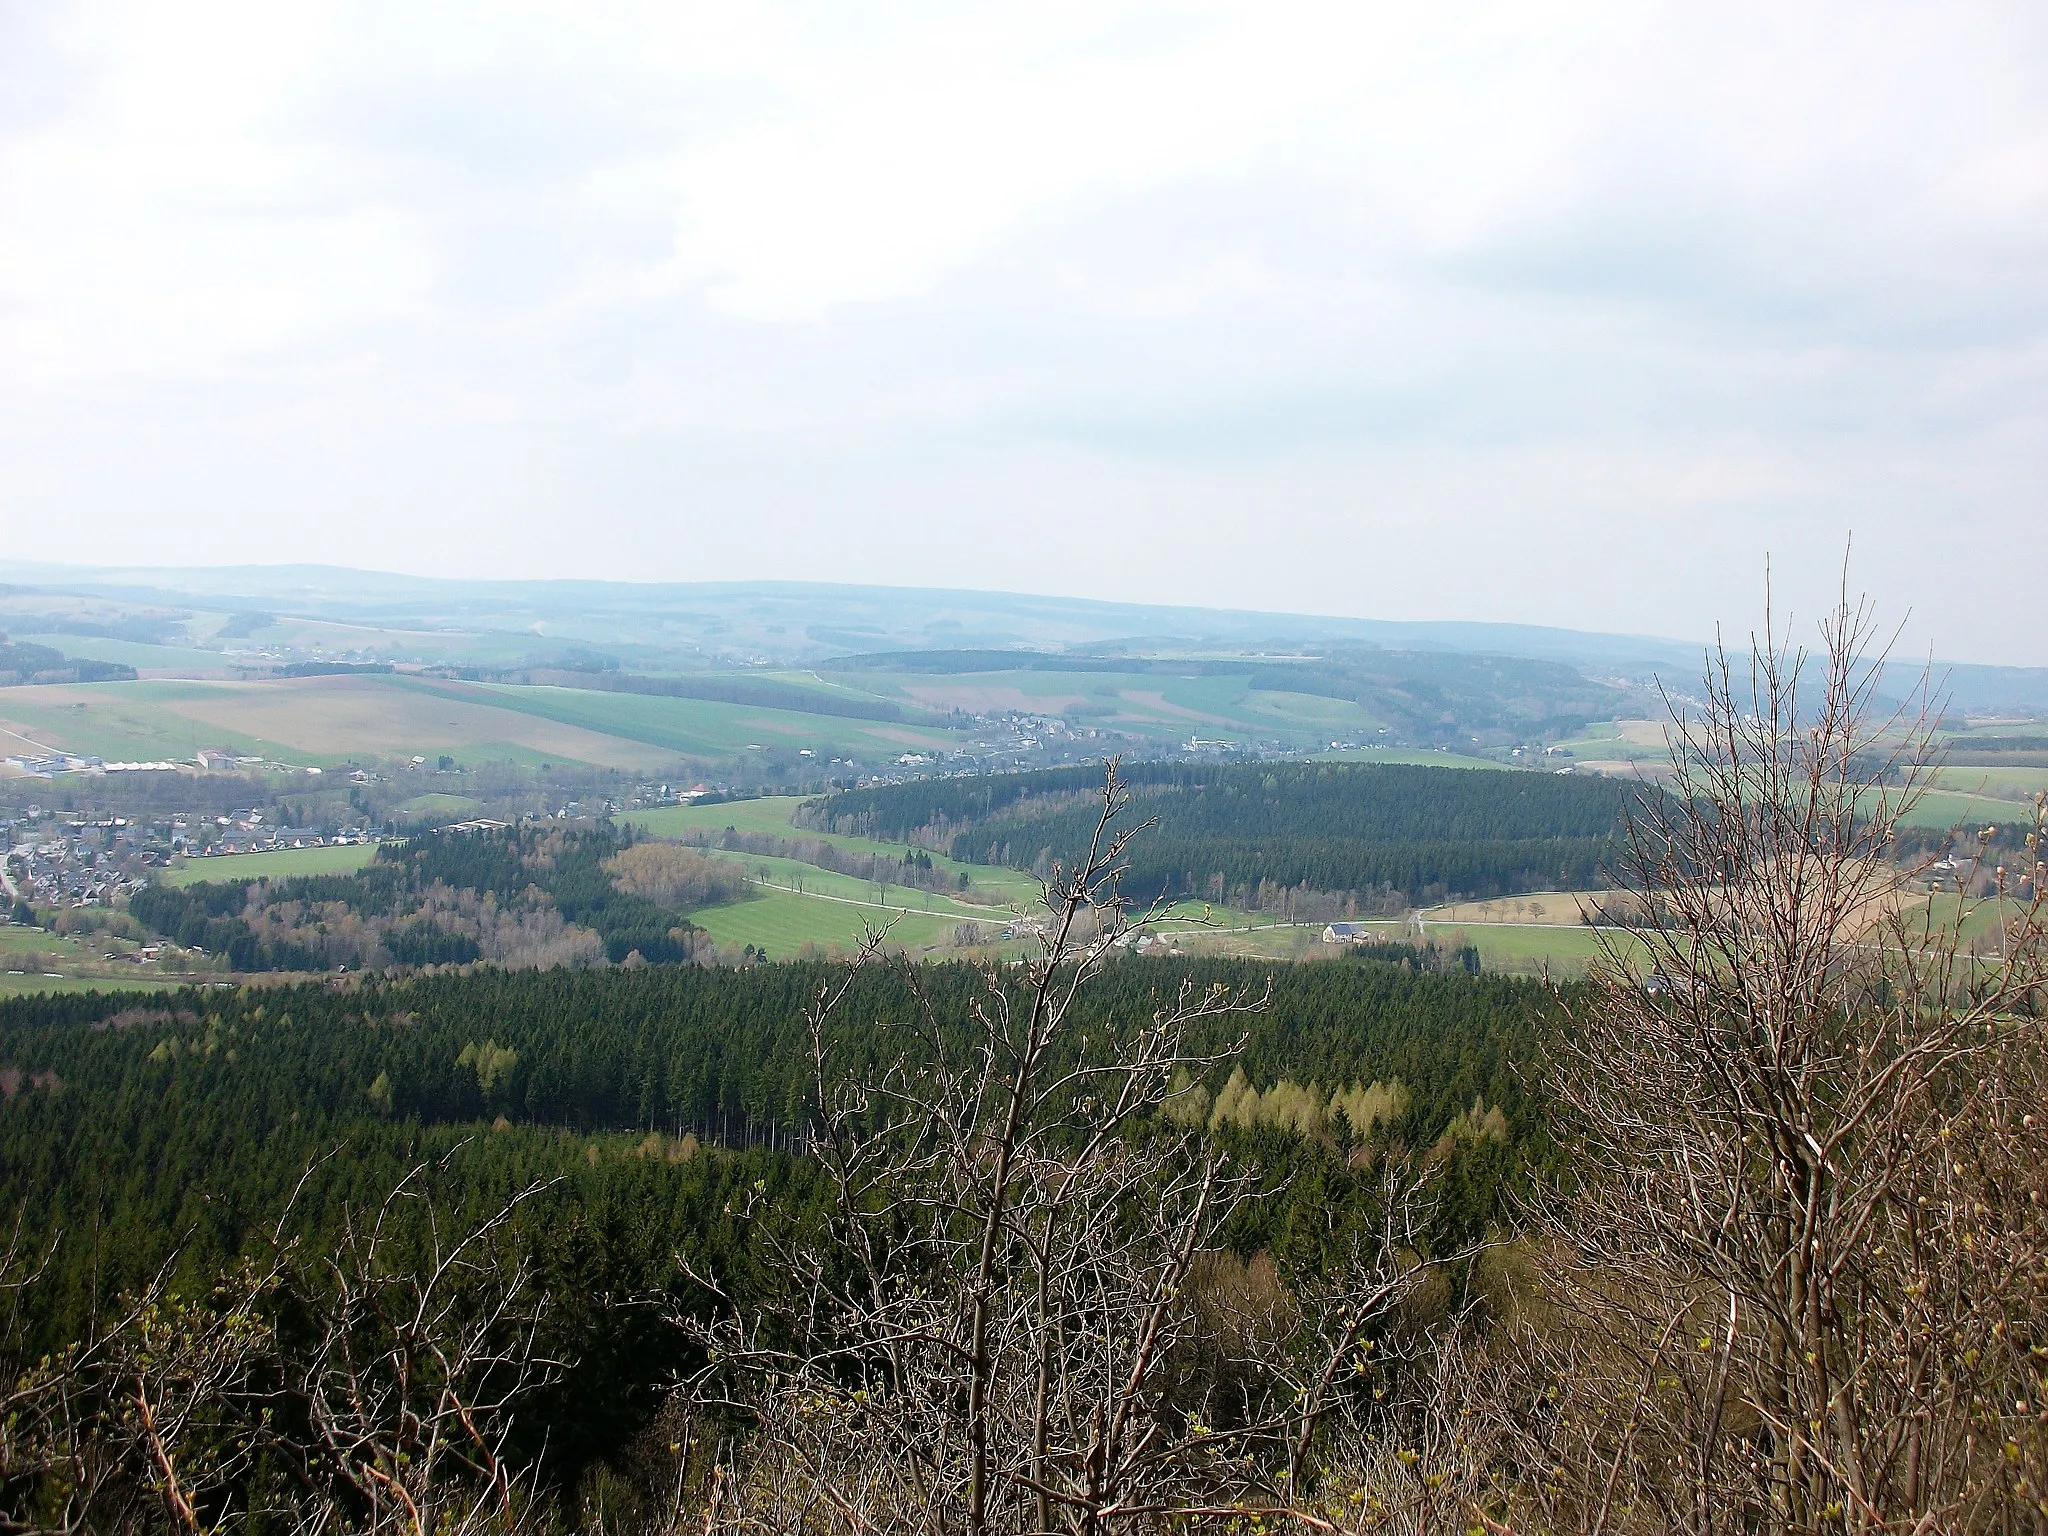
(1222, 830)
(659, 1111)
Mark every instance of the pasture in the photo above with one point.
(1529, 949)
(33, 960)
(810, 880)
(278, 865)
(1982, 921)
(31, 985)
(783, 924)
(1544, 908)
(1942, 809)
(170, 660)
(769, 816)
(437, 804)
(18, 943)
(1408, 757)
(2000, 782)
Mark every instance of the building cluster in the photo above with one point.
(47, 765)
(70, 860)
(76, 862)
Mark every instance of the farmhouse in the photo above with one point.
(1347, 933)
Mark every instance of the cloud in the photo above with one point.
(1583, 294)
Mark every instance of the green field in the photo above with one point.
(782, 924)
(1528, 950)
(1412, 758)
(824, 883)
(781, 918)
(144, 658)
(770, 816)
(17, 943)
(25, 986)
(1998, 782)
(123, 721)
(438, 805)
(76, 965)
(283, 863)
(1940, 809)
(1982, 920)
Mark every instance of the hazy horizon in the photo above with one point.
(1147, 623)
(1566, 315)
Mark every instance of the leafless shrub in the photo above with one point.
(1794, 1281)
(382, 1378)
(676, 877)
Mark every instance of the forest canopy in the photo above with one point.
(1221, 831)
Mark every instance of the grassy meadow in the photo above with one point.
(1411, 757)
(175, 660)
(437, 804)
(12, 985)
(770, 816)
(281, 864)
(33, 960)
(782, 924)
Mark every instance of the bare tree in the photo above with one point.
(410, 1385)
(1016, 1324)
(1794, 1281)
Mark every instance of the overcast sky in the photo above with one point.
(1565, 314)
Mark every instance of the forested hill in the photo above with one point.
(21, 662)
(133, 1128)
(1223, 830)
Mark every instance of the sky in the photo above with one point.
(1568, 314)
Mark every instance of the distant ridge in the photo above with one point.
(811, 623)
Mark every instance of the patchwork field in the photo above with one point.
(701, 727)
(317, 721)
(1143, 703)
(322, 721)
(772, 915)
